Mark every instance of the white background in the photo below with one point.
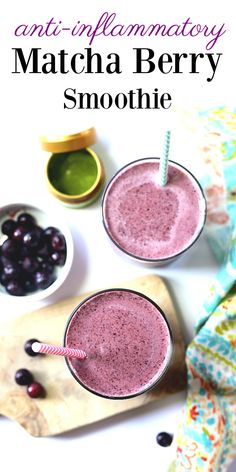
(32, 105)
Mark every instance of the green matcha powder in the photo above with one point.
(72, 173)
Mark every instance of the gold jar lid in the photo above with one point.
(69, 142)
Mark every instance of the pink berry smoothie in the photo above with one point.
(127, 341)
(150, 222)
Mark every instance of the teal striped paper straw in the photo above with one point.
(163, 169)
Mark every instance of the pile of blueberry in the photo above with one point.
(29, 255)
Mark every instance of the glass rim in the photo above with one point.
(169, 355)
(146, 259)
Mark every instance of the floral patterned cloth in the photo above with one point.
(206, 440)
(218, 152)
(207, 437)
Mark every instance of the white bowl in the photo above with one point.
(44, 219)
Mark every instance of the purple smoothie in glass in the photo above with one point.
(150, 222)
(127, 341)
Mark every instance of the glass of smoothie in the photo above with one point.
(152, 223)
(127, 340)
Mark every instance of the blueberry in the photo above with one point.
(43, 279)
(23, 377)
(29, 285)
(28, 347)
(26, 251)
(10, 249)
(5, 260)
(30, 264)
(8, 227)
(13, 287)
(3, 279)
(47, 266)
(58, 258)
(32, 237)
(11, 270)
(50, 231)
(36, 390)
(19, 233)
(43, 250)
(58, 242)
(26, 219)
(164, 439)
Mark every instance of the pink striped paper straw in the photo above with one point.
(58, 350)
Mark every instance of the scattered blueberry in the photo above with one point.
(164, 439)
(23, 377)
(28, 347)
(36, 390)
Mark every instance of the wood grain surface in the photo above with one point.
(67, 405)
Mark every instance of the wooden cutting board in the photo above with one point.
(67, 405)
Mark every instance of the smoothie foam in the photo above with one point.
(127, 341)
(149, 221)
